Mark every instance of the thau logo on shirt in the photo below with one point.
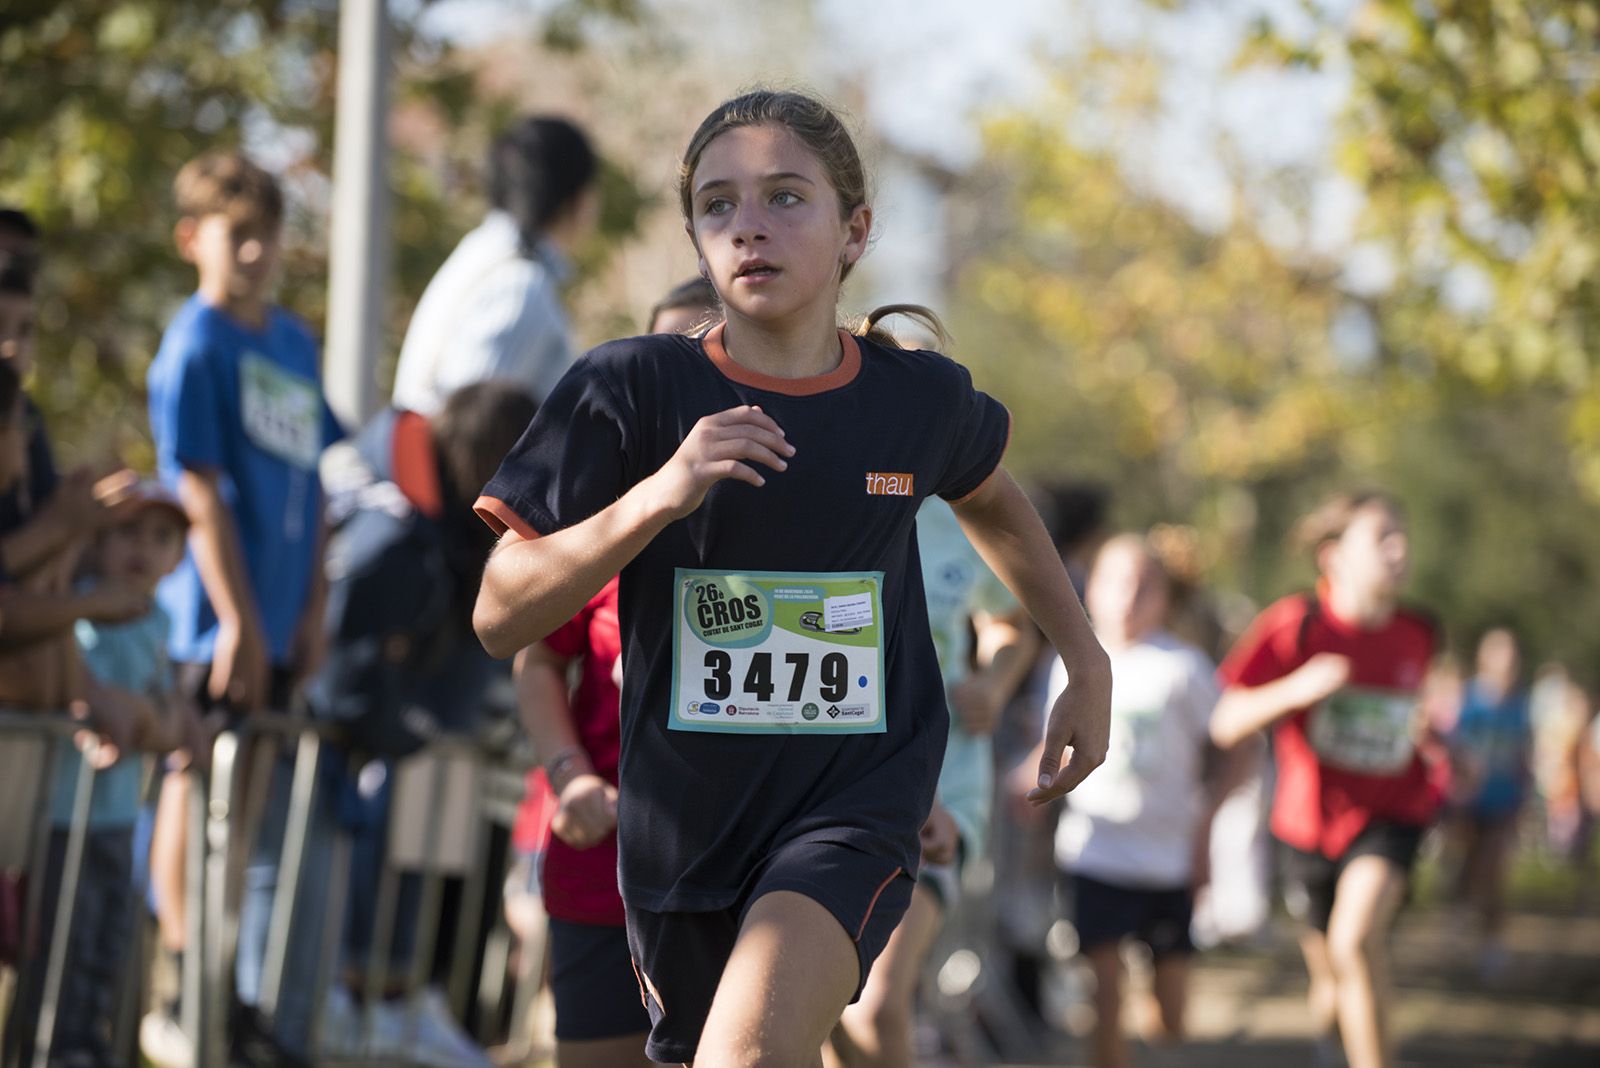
(889, 484)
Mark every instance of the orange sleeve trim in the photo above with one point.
(874, 902)
(647, 989)
(500, 517)
(999, 465)
(844, 374)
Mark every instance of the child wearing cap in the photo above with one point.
(134, 555)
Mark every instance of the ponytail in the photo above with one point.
(868, 326)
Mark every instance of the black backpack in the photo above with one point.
(392, 626)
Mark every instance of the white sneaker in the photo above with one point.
(422, 1032)
(339, 1029)
(163, 1042)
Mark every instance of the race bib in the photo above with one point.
(1370, 731)
(281, 411)
(1136, 737)
(778, 652)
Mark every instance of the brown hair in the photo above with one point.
(227, 183)
(696, 294)
(1329, 520)
(821, 130)
(475, 429)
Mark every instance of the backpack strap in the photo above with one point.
(1303, 632)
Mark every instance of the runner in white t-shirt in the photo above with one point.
(1135, 839)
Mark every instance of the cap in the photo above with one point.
(148, 493)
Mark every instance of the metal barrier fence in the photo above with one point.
(31, 744)
(444, 802)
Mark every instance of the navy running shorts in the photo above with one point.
(1108, 913)
(1310, 879)
(679, 956)
(591, 977)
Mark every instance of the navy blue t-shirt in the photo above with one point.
(699, 811)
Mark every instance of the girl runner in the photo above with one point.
(783, 716)
(1337, 675)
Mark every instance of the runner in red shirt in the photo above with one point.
(1337, 675)
(600, 1020)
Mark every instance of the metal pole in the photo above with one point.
(358, 254)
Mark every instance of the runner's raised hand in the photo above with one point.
(720, 446)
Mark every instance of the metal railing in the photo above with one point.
(444, 800)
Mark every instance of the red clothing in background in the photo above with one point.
(1320, 807)
(580, 885)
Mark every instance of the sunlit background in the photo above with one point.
(1220, 255)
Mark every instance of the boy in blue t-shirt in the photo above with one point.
(239, 421)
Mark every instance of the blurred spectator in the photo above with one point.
(18, 266)
(19, 236)
(403, 666)
(494, 309)
(127, 561)
(1552, 710)
(1025, 885)
(239, 421)
(1490, 747)
(1077, 513)
(44, 521)
(1569, 777)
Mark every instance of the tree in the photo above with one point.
(1198, 374)
(125, 92)
(1176, 364)
(1473, 131)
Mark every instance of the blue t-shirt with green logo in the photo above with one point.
(247, 404)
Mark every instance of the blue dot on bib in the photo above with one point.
(862, 682)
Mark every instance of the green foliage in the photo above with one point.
(1137, 349)
(124, 92)
(1195, 373)
(1474, 132)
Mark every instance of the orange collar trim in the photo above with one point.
(416, 467)
(842, 375)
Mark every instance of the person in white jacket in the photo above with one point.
(493, 311)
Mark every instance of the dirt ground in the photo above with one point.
(1543, 1010)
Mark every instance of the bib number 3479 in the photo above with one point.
(778, 652)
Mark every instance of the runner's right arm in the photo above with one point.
(533, 585)
(239, 665)
(1244, 710)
